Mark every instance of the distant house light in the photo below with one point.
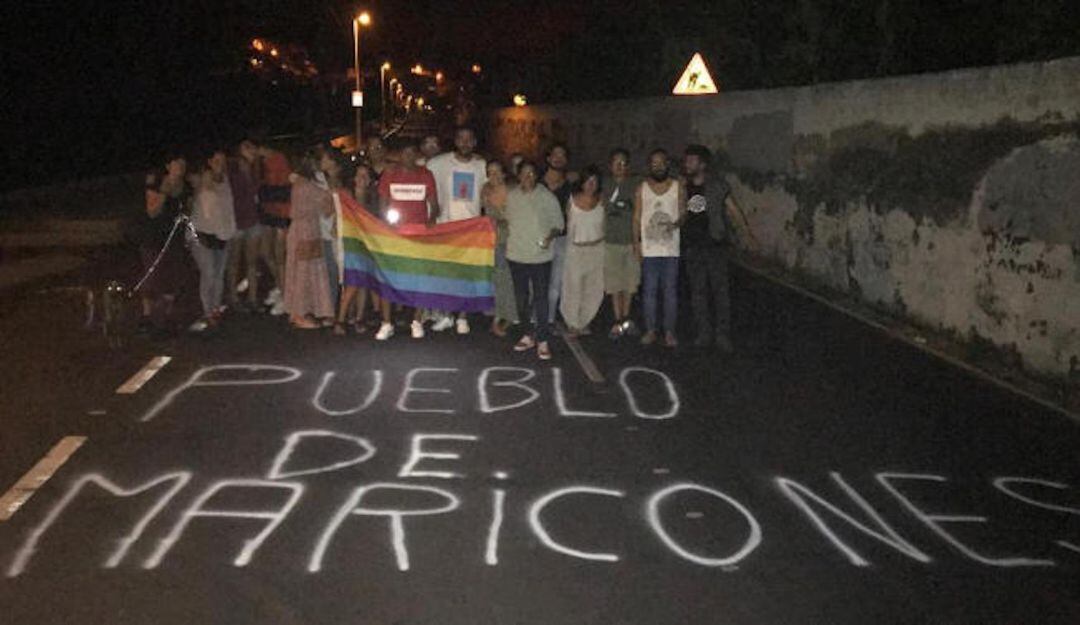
(520, 100)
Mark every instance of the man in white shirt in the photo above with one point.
(459, 176)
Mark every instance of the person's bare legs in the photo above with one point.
(347, 295)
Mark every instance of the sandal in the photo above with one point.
(303, 324)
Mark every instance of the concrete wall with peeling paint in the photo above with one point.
(950, 199)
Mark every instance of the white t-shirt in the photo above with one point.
(458, 185)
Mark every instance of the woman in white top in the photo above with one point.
(583, 271)
(659, 211)
(215, 222)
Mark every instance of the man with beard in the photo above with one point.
(459, 176)
(706, 245)
(557, 180)
(659, 211)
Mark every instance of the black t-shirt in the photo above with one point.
(695, 231)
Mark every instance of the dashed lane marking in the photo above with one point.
(36, 477)
(136, 381)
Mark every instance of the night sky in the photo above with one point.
(97, 87)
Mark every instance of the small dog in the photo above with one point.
(116, 314)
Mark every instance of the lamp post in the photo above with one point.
(364, 19)
(385, 67)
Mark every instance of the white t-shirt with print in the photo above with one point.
(458, 185)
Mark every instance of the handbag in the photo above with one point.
(309, 249)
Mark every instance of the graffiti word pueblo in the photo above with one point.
(422, 390)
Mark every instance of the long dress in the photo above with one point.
(307, 284)
(502, 282)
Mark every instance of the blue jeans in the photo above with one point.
(211, 263)
(531, 291)
(660, 273)
(558, 246)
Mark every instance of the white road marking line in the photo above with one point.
(900, 336)
(136, 381)
(36, 477)
(1067, 545)
(586, 363)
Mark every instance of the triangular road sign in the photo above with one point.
(696, 79)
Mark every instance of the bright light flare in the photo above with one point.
(393, 216)
(476, 69)
(364, 19)
(520, 100)
(258, 44)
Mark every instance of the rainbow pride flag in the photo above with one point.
(445, 267)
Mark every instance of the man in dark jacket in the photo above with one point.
(707, 240)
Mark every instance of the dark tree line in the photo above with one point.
(756, 44)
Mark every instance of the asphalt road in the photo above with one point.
(821, 474)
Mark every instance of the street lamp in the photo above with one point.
(364, 19)
(385, 67)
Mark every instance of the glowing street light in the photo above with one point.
(520, 100)
(439, 76)
(258, 44)
(364, 19)
(417, 69)
(274, 52)
(476, 68)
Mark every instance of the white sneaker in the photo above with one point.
(417, 329)
(242, 286)
(444, 323)
(273, 297)
(386, 330)
(462, 325)
(199, 326)
(277, 309)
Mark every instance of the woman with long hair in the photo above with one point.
(308, 298)
(493, 199)
(215, 224)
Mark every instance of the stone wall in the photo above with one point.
(951, 200)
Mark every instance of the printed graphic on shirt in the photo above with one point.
(696, 204)
(464, 185)
(406, 192)
(660, 226)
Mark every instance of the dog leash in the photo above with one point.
(180, 219)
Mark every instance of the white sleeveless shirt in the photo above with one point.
(585, 226)
(658, 241)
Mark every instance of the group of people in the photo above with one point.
(564, 239)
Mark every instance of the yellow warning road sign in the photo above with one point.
(696, 79)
